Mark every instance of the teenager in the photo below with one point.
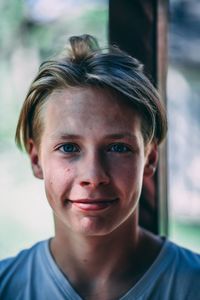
(91, 124)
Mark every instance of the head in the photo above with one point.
(84, 64)
(91, 123)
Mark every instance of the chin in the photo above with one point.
(92, 226)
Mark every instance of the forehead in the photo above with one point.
(75, 108)
(95, 99)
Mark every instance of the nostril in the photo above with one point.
(93, 177)
(92, 184)
(85, 183)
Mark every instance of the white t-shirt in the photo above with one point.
(34, 275)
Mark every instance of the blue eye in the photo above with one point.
(69, 148)
(119, 148)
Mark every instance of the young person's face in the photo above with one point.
(93, 159)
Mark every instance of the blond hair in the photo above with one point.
(84, 64)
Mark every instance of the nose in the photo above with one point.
(94, 172)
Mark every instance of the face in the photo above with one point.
(93, 159)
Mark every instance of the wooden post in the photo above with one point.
(140, 28)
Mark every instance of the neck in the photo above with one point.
(109, 264)
(93, 255)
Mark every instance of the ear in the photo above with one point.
(35, 161)
(151, 159)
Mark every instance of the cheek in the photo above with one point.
(127, 168)
(128, 176)
(58, 180)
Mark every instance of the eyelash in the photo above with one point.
(115, 147)
(122, 148)
(77, 149)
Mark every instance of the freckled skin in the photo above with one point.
(93, 172)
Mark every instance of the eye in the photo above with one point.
(119, 148)
(69, 148)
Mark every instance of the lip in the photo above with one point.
(93, 204)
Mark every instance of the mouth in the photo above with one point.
(92, 204)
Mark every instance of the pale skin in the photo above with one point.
(93, 159)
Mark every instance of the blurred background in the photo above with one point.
(34, 30)
(183, 98)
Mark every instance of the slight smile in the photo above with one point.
(92, 204)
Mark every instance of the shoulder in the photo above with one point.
(183, 258)
(15, 271)
(172, 274)
(176, 264)
(180, 269)
(22, 257)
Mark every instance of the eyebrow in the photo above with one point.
(65, 136)
(116, 136)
